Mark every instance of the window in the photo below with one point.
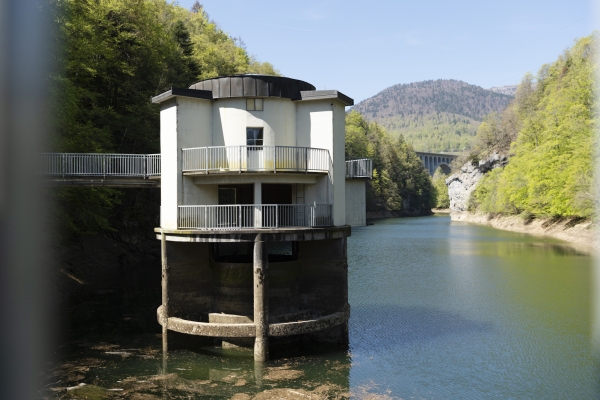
(254, 136)
(254, 104)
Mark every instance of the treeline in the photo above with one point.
(400, 184)
(436, 132)
(111, 57)
(549, 132)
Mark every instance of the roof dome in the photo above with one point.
(253, 85)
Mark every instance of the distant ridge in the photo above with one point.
(509, 90)
(434, 115)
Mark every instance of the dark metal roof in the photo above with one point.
(327, 94)
(254, 85)
(199, 94)
(251, 85)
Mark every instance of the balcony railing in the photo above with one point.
(255, 159)
(360, 168)
(255, 216)
(105, 165)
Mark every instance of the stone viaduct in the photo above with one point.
(432, 161)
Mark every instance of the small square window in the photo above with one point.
(254, 136)
(254, 104)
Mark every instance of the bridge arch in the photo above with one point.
(431, 161)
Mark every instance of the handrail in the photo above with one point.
(247, 216)
(99, 164)
(255, 159)
(359, 168)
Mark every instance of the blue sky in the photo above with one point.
(360, 48)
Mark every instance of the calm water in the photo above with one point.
(439, 310)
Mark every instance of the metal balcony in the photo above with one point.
(250, 216)
(359, 168)
(227, 159)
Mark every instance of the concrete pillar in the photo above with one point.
(165, 298)
(258, 200)
(261, 299)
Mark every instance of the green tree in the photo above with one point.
(400, 183)
(550, 172)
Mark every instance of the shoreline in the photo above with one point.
(579, 232)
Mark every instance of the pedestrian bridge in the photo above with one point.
(143, 170)
(432, 161)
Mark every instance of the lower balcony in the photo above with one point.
(252, 216)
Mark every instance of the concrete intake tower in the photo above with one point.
(257, 201)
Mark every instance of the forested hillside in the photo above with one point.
(440, 115)
(400, 184)
(111, 57)
(549, 131)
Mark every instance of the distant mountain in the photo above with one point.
(441, 115)
(509, 90)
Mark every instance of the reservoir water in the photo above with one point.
(439, 309)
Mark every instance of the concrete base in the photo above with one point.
(307, 294)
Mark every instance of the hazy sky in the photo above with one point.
(360, 48)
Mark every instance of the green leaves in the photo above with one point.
(400, 182)
(112, 56)
(551, 171)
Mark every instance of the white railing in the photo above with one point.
(111, 165)
(242, 216)
(360, 168)
(255, 159)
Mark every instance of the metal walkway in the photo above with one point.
(143, 170)
(109, 170)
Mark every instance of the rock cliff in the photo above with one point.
(462, 184)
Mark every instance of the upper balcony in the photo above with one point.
(255, 159)
(359, 168)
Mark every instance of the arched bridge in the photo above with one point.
(432, 161)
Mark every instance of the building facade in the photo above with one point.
(253, 212)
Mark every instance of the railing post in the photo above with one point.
(63, 166)
(275, 159)
(239, 216)
(276, 216)
(306, 160)
(240, 159)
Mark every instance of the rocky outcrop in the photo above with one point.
(462, 184)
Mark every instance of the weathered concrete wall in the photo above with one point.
(314, 285)
(356, 202)
(190, 287)
(324, 284)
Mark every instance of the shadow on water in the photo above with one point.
(373, 328)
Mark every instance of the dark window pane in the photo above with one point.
(254, 136)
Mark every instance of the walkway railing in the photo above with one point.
(255, 216)
(105, 165)
(255, 159)
(202, 159)
(360, 168)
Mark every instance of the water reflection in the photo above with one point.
(464, 311)
(438, 310)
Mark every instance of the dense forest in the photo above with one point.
(112, 57)
(440, 115)
(549, 132)
(400, 184)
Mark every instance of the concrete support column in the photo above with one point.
(261, 299)
(165, 298)
(258, 200)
